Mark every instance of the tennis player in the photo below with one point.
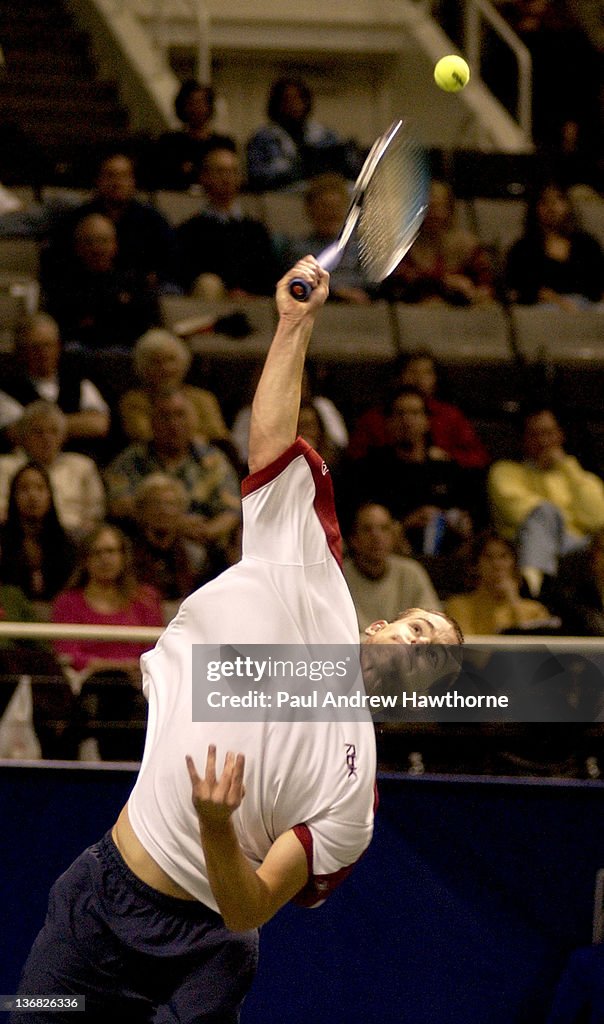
(228, 821)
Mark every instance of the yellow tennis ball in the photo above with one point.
(451, 73)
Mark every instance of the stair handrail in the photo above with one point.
(475, 12)
(201, 14)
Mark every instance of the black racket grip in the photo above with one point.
(299, 289)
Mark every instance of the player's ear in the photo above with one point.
(375, 627)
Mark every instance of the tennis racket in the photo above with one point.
(388, 205)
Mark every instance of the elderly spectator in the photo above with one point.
(417, 481)
(209, 479)
(222, 250)
(146, 242)
(446, 264)
(166, 560)
(40, 373)
(293, 146)
(494, 605)
(381, 582)
(96, 303)
(327, 198)
(76, 484)
(179, 154)
(555, 262)
(36, 553)
(162, 362)
(450, 429)
(546, 502)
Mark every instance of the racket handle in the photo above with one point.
(299, 289)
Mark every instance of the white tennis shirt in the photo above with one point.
(315, 777)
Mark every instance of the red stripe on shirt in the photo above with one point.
(323, 503)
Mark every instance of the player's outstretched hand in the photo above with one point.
(309, 270)
(216, 799)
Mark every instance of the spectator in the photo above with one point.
(554, 261)
(40, 373)
(332, 421)
(576, 593)
(222, 250)
(292, 146)
(104, 590)
(76, 484)
(167, 561)
(209, 479)
(494, 605)
(327, 198)
(96, 304)
(36, 553)
(446, 263)
(547, 503)
(417, 481)
(179, 154)
(449, 427)
(146, 242)
(381, 582)
(162, 361)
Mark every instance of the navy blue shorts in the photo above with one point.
(134, 952)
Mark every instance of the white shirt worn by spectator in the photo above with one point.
(76, 486)
(91, 400)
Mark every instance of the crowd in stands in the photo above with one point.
(117, 501)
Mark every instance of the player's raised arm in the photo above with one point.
(277, 400)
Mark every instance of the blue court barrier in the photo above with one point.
(463, 910)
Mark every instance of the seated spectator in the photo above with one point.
(421, 486)
(382, 583)
(209, 479)
(293, 146)
(554, 262)
(41, 373)
(165, 559)
(222, 251)
(162, 361)
(494, 605)
(104, 590)
(36, 712)
(446, 263)
(449, 427)
(327, 199)
(76, 484)
(146, 242)
(179, 154)
(36, 553)
(546, 502)
(332, 421)
(576, 593)
(97, 304)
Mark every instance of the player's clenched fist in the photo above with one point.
(215, 799)
(308, 270)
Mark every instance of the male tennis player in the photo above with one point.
(228, 821)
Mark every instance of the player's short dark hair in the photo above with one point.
(188, 87)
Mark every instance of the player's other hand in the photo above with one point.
(309, 270)
(215, 799)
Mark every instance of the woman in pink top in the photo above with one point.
(104, 591)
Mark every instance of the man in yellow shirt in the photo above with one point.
(548, 504)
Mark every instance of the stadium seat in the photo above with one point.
(456, 334)
(551, 334)
(285, 214)
(499, 222)
(19, 256)
(347, 333)
(246, 326)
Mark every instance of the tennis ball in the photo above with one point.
(451, 73)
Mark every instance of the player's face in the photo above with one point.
(416, 626)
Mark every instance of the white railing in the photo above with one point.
(479, 11)
(201, 15)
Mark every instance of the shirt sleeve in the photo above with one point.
(288, 510)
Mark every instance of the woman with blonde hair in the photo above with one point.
(162, 361)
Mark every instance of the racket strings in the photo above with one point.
(393, 207)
